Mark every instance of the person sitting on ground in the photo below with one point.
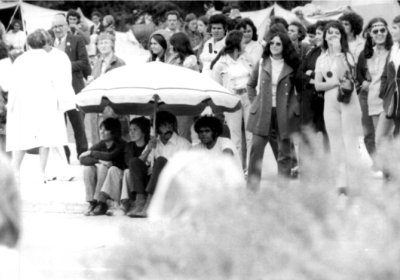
(209, 129)
(98, 159)
(167, 145)
(118, 184)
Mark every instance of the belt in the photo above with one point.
(240, 91)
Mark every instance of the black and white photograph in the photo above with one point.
(169, 140)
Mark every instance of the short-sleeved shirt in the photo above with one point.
(221, 144)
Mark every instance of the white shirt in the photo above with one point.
(5, 68)
(254, 51)
(221, 144)
(277, 66)
(210, 51)
(376, 65)
(395, 55)
(16, 40)
(175, 144)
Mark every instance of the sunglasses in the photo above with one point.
(381, 30)
(278, 44)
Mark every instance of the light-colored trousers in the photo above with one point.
(234, 121)
(93, 178)
(344, 128)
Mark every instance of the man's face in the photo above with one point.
(217, 31)
(293, 33)
(72, 21)
(59, 26)
(172, 22)
(165, 131)
(206, 135)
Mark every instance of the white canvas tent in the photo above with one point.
(368, 9)
(261, 18)
(35, 17)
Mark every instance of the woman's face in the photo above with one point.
(135, 133)
(193, 25)
(332, 35)
(201, 27)
(247, 34)
(347, 27)
(378, 33)
(275, 46)
(105, 46)
(16, 27)
(319, 35)
(395, 32)
(155, 47)
(105, 135)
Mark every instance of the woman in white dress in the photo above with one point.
(39, 94)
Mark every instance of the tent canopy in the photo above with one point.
(368, 9)
(261, 18)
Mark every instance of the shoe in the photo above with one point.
(377, 174)
(89, 211)
(140, 208)
(294, 172)
(126, 205)
(100, 209)
(68, 178)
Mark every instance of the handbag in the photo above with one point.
(346, 86)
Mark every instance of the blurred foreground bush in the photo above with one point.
(301, 231)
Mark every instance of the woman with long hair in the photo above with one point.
(342, 120)
(183, 55)
(159, 46)
(231, 68)
(370, 66)
(252, 47)
(273, 77)
(190, 29)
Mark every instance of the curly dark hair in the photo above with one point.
(3, 50)
(343, 38)
(144, 125)
(181, 44)
(243, 23)
(355, 20)
(233, 42)
(218, 19)
(281, 20)
(73, 13)
(369, 44)
(114, 126)
(289, 54)
(211, 122)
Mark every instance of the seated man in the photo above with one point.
(167, 145)
(209, 130)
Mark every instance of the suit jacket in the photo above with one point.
(76, 50)
(261, 108)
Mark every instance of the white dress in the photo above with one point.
(35, 116)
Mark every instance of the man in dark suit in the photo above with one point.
(74, 47)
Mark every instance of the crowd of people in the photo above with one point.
(333, 77)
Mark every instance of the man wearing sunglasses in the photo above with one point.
(164, 147)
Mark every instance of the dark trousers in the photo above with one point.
(76, 119)
(257, 152)
(138, 172)
(158, 166)
(367, 124)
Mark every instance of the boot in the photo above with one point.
(100, 209)
(140, 207)
(89, 211)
